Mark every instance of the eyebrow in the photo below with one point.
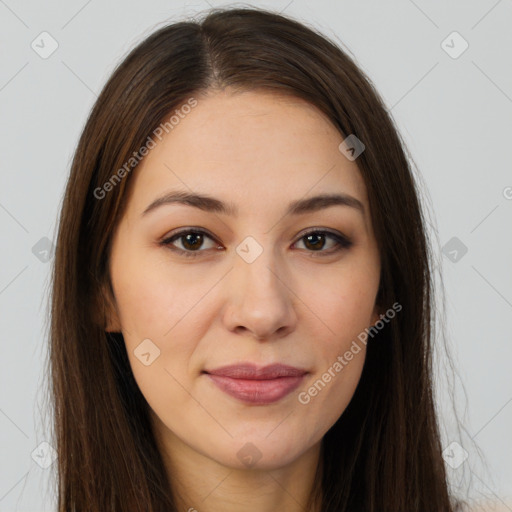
(298, 207)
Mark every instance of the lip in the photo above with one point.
(257, 385)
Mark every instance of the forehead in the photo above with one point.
(249, 148)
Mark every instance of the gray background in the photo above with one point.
(454, 114)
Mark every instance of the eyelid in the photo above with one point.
(343, 242)
(188, 229)
(320, 229)
(169, 238)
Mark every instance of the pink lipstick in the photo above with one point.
(257, 385)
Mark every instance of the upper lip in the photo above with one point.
(253, 372)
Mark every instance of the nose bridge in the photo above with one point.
(259, 301)
(258, 264)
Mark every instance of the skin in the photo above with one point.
(297, 303)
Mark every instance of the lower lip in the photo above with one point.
(257, 392)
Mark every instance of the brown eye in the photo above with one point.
(191, 241)
(316, 241)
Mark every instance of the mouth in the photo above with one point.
(257, 385)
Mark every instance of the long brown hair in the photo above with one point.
(384, 452)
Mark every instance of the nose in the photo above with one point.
(260, 299)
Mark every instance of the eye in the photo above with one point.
(191, 240)
(315, 241)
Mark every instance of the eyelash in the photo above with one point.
(341, 241)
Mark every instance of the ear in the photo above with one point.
(107, 315)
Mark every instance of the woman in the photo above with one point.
(242, 296)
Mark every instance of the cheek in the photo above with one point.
(327, 393)
(155, 305)
(344, 304)
(332, 391)
(158, 305)
(154, 298)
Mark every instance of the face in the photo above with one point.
(255, 275)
